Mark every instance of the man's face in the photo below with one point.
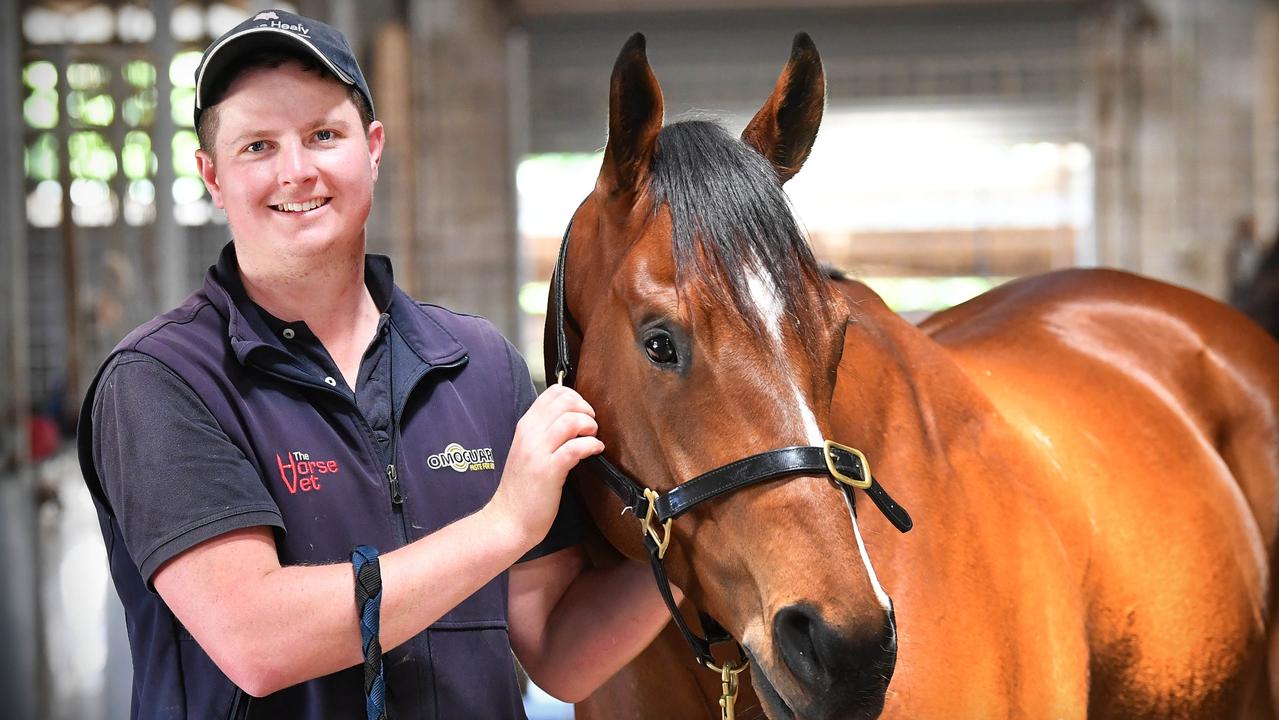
(291, 165)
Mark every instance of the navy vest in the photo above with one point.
(318, 459)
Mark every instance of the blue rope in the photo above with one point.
(368, 600)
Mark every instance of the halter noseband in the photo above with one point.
(847, 466)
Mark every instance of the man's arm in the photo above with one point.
(573, 627)
(268, 627)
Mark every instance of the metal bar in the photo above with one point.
(67, 232)
(21, 651)
(14, 341)
(171, 247)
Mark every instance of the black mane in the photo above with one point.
(729, 216)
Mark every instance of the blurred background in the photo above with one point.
(965, 143)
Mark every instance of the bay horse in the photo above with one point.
(1091, 458)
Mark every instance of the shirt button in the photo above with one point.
(288, 333)
(330, 381)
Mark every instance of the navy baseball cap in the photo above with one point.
(276, 28)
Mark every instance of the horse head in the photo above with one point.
(704, 332)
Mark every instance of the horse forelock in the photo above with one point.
(732, 224)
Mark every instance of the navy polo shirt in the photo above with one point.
(218, 416)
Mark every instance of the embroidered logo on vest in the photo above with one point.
(302, 474)
(462, 460)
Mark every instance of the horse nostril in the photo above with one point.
(855, 663)
(806, 644)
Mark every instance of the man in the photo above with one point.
(299, 405)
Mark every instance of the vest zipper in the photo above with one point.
(393, 477)
(396, 498)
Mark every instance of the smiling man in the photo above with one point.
(301, 468)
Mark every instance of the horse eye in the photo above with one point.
(661, 349)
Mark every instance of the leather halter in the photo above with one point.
(846, 466)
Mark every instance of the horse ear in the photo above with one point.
(634, 120)
(784, 129)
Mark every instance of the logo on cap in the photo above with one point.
(266, 16)
(299, 28)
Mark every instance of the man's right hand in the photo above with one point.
(556, 433)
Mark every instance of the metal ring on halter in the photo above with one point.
(729, 667)
(647, 527)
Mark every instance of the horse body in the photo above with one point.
(1091, 458)
(1093, 472)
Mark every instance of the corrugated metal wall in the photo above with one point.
(1020, 60)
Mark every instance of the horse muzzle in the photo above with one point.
(833, 674)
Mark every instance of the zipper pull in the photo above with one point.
(396, 497)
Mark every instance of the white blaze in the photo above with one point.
(870, 570)
(771, 309)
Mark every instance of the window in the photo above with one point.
(104, 102)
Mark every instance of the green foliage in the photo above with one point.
(92, 157)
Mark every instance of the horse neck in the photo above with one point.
(911, 407)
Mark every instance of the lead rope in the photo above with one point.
(368, 599)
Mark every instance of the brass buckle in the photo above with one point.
(728, 685)
(827, 446)
(647, 527)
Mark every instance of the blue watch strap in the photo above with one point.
(368, 601)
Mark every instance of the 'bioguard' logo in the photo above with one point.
(462, 460)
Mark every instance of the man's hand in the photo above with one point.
(556, 433)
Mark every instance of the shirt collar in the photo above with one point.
(252, 329)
